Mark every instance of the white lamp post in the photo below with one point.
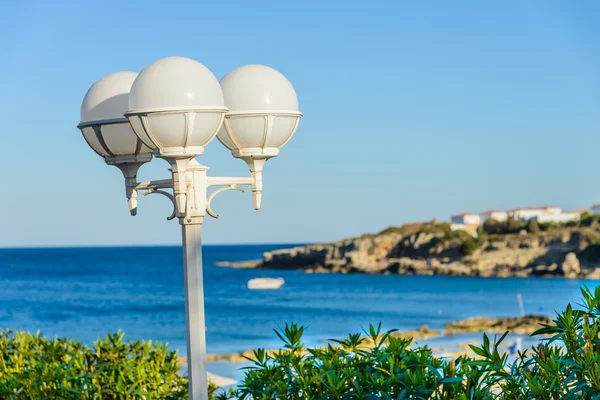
(172, 110)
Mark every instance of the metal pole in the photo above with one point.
(521, 307)
(194, 311)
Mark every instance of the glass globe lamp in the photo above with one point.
(263, 115)
(176, 107)
(103, 125)
(263, 112)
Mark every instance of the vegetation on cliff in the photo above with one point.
(501, 249)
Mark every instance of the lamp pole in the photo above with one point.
(172, 110)
(191, 231)
(194, 309)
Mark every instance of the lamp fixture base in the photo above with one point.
(256, 165)
(130, 158)
(130, 170)
(179, 152)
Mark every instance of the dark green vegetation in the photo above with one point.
(35, 367)
(564, 365)
(468, 243)
(492, 230)
(512, 225)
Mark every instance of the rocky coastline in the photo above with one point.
(431, 249)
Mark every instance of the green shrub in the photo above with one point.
(511, 225)
(437, 227)
(441, 229)
(589, 219)
(348, 371)
(533, 226)
(573, 224)
(514, 225)
(565, 366)
(592, 237)
(35, 367)
(470, 245)
(549, 226)
(492, 226)
(406, 229)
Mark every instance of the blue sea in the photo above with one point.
(86, 292)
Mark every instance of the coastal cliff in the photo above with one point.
(433, 249)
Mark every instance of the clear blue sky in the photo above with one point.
(413, 110)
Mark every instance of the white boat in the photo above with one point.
(265, 283)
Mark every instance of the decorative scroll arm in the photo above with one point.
(152, 190)
(209, 211)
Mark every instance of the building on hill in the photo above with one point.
(529, 213)
(455, 226)
(525, 213)
(470, 222)
(466, 219)
(544, 214)
(552, 210)
(493, 214)
(471, 229)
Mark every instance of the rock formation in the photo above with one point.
(430, 249)
(525, 325)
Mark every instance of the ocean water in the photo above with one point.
(86, 292)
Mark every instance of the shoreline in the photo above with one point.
(524, 325)
(453, 270)
(433, 248)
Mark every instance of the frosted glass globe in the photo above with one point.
(175, 105)
(263, 110)
(105, 103)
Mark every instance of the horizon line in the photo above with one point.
(84, 246)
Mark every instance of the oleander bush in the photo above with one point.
(564, 365)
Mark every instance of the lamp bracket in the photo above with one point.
(152, 190)
(216, 192)
(192, 190)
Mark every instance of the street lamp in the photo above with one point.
(172, 110)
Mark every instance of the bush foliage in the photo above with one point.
(510, 226)
(564, 365)
(35, 367)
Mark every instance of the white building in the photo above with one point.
(552, 210)
(493, 214)
(529, 213)
(466, 219)
(457, 227)
(545, 214)
(471, 229)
